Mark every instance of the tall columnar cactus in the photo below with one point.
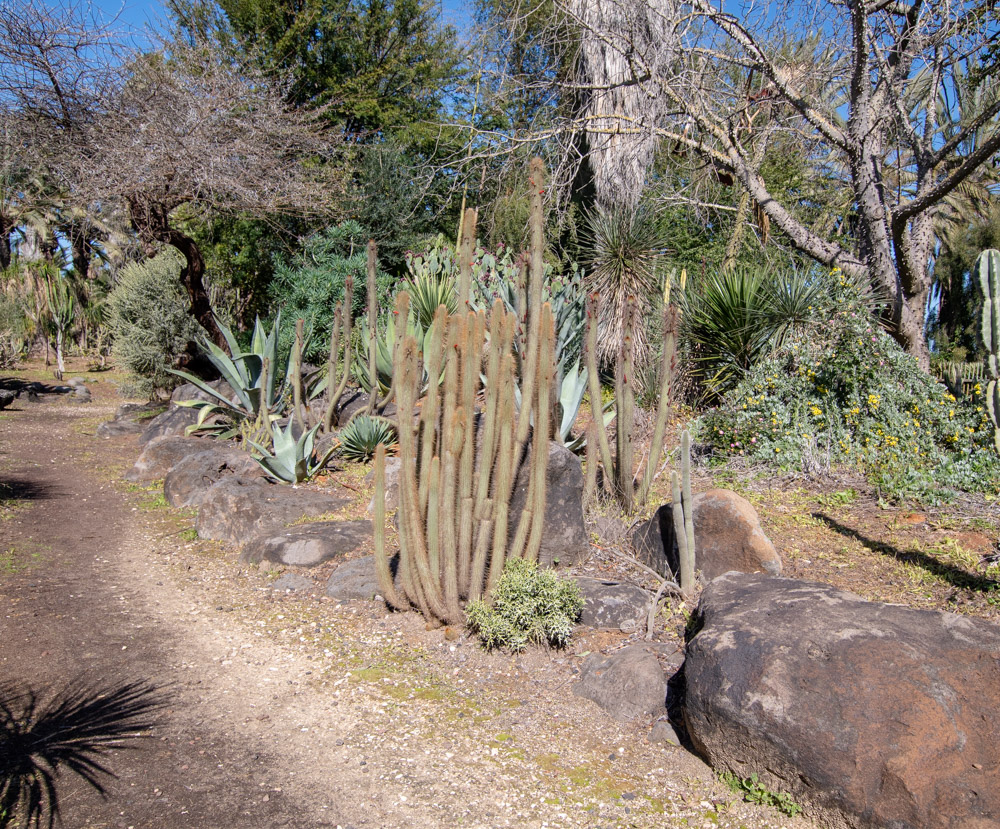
(457, 478)
(372, 327)
(618, 469)
(342, 318)
(298, 408)
(683, 514)
(988, 271)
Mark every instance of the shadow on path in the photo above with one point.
(13, 488)
(70, 730)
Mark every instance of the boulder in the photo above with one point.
(6, 398)
(355, 579)
(610, 604)
(173, 422)
(82, 394)
(309, 544)
(564, 535)
(876, 715)
(127, 419)
(76, 382)
(727, 536)
(189, 391)
(187, 482)
(627, 684)
(161, 455)
(237, 510)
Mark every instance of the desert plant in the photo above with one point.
(252, 375)
(531, 605)
(454, 500)
(150, 324)
(364, 434)
(60, 304)
(988, 272)
(292, 460)
(683, 516)
(13, 330)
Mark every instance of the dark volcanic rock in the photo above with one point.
(114, 428)
(173, 422)
(160, 456)
(878, 715)
(727, 536)
(6, 398)
(237, 510)
(611, 604)
(187, 482)
(627, 684)
(564, 535)
(308, 544)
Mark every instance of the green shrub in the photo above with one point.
(843, 393)
(150, 323)
(13, 330)
(530, 605)
(310, 286)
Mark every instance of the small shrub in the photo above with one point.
(845, 394)
(530, 605)
(753, 791)
(149, 320)
(13, 331)
(361, 437)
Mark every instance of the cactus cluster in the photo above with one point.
(988, 272)
(458, 465)
(683, 515)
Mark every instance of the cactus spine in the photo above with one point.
(342, 317)
(988, 271)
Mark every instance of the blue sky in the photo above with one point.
(141, 15)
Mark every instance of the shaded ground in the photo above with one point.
(296, 711)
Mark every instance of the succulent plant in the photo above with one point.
(292, 459)
(364, 434)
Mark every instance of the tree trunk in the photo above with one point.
(81, 252)
(152, 222)
(5, 228)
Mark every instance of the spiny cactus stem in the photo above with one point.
(465, 262)
(594, 387)
(662, 405)
(348, 316)
(382, 570)
(688, 568)
(331, 369)
(540, 451)
(372, 326)
(297, 374)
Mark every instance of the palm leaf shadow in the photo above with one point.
(70, 730)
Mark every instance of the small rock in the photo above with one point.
(628, 684)
(309, 544)
(292, 583)
(356, 579)
(663, 732)
(116, 428)
(610, 604)
(6, 398)
(173, 422)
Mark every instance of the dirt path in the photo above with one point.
(291, 712)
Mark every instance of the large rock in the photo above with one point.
(627, 684)
(878, 715)
(172, 423)
(6, 398)
(309, 544)
(189, 391)
(392, 467)
(237, 510)
(116, 428)
(161, 455)
(564, 536)
(188, 481)
(727, 536)
(612, 605)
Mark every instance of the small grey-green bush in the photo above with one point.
(530, 605)
(150, 323)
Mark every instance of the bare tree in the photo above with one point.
(859, 85)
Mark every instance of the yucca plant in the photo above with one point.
(731, 319)
(364, 434)
(433, 281)
(70, 731)
(623, 255)
(257, 394)
(292, 460)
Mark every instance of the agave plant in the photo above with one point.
(362, 436)
(292, 460)
(252, 376)
(432, 282)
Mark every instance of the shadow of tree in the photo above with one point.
(956, 576)
(72, 729)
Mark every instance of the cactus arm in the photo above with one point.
(372, 263)
(662, 405)
(331, 369)
(297, 407)
(382, 570)
(468, 244)
(594, 383)
(988, 270)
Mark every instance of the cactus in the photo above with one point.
(454, 495)
(683, 514)
(298, 409)
(342, 319)
(988, 270)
